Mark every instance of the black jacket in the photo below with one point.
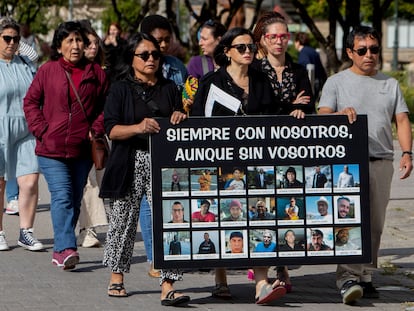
(124, 107)
(260, 100)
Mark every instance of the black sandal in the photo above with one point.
(119, 287)
(171, 300)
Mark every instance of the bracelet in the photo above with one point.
(410, 153)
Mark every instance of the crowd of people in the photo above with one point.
(117, 87)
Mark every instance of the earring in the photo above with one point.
(229, 59)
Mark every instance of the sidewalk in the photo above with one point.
(28, 280)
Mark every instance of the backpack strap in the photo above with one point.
(204, 64)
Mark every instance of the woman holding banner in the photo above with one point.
(289, 81)
(253, 93)
(139, 94)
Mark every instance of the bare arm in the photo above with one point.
(348, 111)
(146, 126)
(405, 140)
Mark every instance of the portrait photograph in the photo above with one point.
(177, 245)
(319, 209)
(262, 243)
(348, 241)
(318, 179)
(204, 212)
(320, 241)
(205, 244)
(290, 210)
(234, 243)
(291, 242)
(176, 213)
(203, 181)
(232, 180)
(289, 179)
(346, 178)
(175, 181)
(233, 212)
(262, 211)
(261, 179)
(347, 209)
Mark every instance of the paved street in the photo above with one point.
(28, 280)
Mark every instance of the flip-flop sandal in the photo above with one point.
(280, 275)
(171, 300)
(268, 294)
(119, 287)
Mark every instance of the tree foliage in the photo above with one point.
(36, 13)
(127, 13)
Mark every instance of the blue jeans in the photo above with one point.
(145, 222)
(12, 190)
(66, 179)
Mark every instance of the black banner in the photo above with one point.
(253, 191)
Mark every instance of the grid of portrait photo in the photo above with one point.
(227, 212)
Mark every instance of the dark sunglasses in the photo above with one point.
(241, 48)
(145, 55)
(362, 51)
(8, 39)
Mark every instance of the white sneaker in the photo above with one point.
(3, 242)
(91, 239)
(12, 208)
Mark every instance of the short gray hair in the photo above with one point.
(8, 22)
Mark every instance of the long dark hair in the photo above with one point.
(62, 32)
(123, 68)
(89, 30)
(226, 40)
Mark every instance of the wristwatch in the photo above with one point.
(410, 153)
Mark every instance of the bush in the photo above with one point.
(408, 92)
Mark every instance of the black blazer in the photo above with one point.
(261, 99)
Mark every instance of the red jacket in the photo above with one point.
(56, 119)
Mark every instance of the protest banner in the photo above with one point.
(260, 190)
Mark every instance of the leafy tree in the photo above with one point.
(35, 13)
(348, 14)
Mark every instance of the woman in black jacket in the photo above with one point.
(234, 54)
(253, 95)
(139, 94)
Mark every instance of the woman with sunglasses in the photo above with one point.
(289, 81)
(17, 144)
(62, 106)
(234, 55)
(139, 94)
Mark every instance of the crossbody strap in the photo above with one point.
(204, 64)
(77, 96)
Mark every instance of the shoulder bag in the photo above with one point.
(99, 144)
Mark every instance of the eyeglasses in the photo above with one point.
(362, 51)
(241, 48)
(272, 37)
(8, 39)
(145, 55)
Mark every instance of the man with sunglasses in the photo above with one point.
(362, 89)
